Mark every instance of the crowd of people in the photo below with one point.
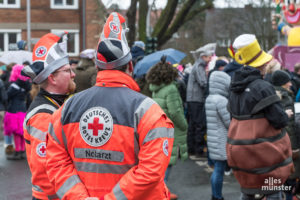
(112, 137)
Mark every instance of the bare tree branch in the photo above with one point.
(193, 13)
(182, 16)
(165, 18)
(143, 10)
(131, 16)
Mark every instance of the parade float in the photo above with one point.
(287, 21)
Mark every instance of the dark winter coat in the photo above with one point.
(5, 78)
(86, 73)
(3, 96)
(181, 88)
(17, 93)
(167, 96)
(295, 79)
(268, 77)
(231, 67)
(287, 101)
(257, 146)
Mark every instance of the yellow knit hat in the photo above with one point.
(249, 51)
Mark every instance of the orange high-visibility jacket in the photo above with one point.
(110, 141)
(35, 128)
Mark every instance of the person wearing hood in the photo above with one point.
(218, 120)
(232, 67)
(195, 98)
(219, 66)
(258, 148)
(162, 79)
(85, 71)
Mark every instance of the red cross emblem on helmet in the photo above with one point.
(114, 27)
(40, 51)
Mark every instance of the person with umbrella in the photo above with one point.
(173, 56)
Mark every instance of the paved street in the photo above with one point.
(14, 178)
(187, 179)
(191, 182)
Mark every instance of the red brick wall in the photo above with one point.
(95, 16)
(40, 12)
(9, 15)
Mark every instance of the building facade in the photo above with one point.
(82, 19)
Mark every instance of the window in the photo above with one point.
(9, 39)
(64, 4)
(9, 3)
(73, 41)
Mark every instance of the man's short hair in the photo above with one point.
(121, 68)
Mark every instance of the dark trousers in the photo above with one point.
(197, 127)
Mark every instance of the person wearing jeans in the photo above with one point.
(217, 178)
(167, 173)
(218, 120)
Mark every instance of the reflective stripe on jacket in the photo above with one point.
(110, 141)
(35, 130)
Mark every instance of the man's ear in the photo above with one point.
(51, 79)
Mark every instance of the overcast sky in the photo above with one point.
(124, 4)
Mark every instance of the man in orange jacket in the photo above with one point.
(109, 141)
(51, 70)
